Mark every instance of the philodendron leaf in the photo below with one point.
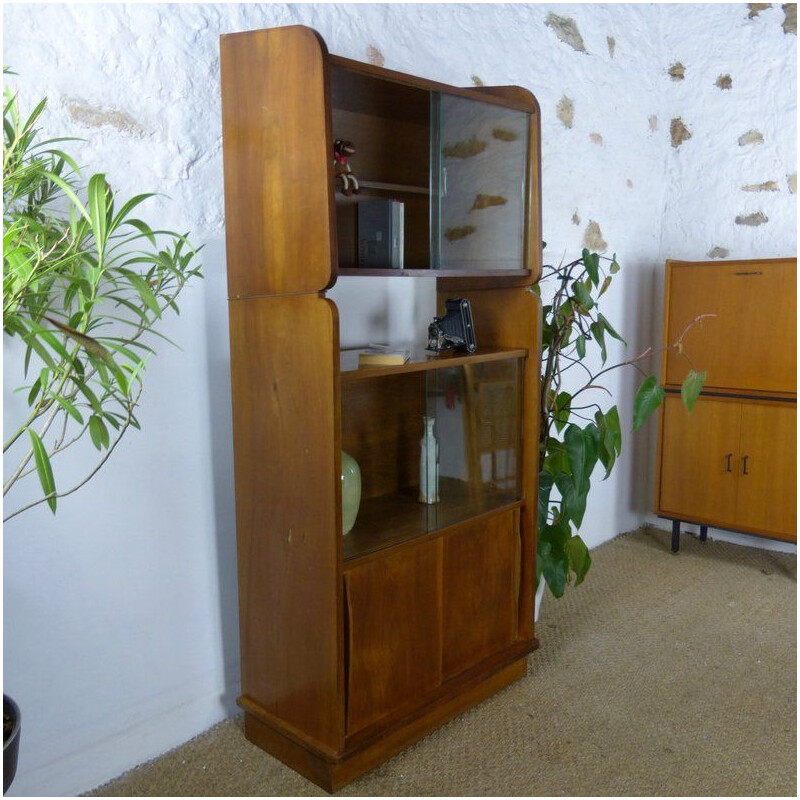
(583, 295)
(598, 331)
(43, 468)
(591, 261)
(573, 497)
(579, 558)
(576, 452)
(613, 430)
(562, 410)
(648, 399)
(691, 388)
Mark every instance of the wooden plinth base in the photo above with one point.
(331, 771)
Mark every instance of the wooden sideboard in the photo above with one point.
(732, 462)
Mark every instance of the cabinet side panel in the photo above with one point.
(513, 318)
(277, 162)
(288, 509)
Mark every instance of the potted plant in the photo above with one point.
(579, 425)
(85, 286)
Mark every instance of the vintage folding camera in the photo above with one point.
(453, 331)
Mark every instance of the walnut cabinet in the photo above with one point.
(731, 463)
(353, 646)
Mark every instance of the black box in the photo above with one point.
(380, 234)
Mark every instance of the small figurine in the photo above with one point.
(342, 150)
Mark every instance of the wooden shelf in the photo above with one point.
(423, 360)
(392, 519)
(379, 186)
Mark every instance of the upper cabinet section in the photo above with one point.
(747, 343)
(448, 178)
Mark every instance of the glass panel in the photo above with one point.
(433, 448)
(479, 153)
(476, 409)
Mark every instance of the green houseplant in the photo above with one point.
(580, 425)
(85, 286)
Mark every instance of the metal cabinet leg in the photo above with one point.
(703, 533)
(676, 532)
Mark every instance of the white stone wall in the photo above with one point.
(120, 623)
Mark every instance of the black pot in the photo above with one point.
(10, 745)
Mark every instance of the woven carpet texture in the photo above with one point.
(660, 675)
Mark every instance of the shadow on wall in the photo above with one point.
(643, 331)
(221, 437)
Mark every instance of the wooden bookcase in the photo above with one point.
(732, 462)
(353, 647)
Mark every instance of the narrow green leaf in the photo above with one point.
(99, 196)
(43, 468)
(98, 432)
(69, 408)
(34, 392)
(580, 346)
(648, 399)
(691, 387)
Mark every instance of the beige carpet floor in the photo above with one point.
(661, 675)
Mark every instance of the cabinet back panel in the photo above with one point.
(381, 429)
(353, 90)
(416, 251)
(386, 150)
(750, 343)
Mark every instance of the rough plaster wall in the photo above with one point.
(708, 176)
(120, 615)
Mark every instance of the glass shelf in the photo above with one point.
(395, 518)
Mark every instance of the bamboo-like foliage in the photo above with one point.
(85, 287)
(580, 425)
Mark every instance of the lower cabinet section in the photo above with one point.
(481, 583)
(426, 613)
(731, 463)
(393, 628)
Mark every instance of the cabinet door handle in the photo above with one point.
(728, 458)
(744, 465)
